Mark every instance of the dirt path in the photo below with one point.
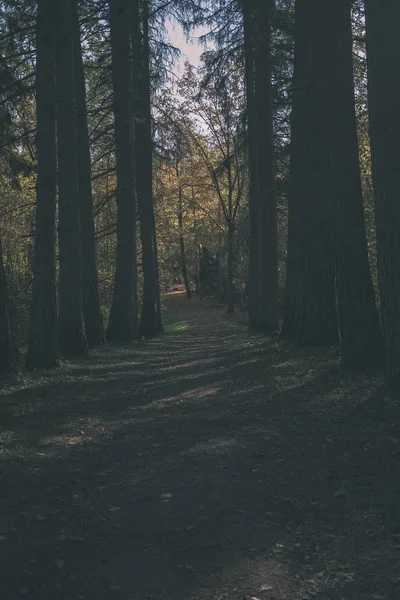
(206, 465)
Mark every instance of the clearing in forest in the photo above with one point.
(208, 464)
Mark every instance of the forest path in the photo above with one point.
(209, 464)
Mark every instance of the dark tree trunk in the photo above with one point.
(268, 196)
(123, 325)
(263, 259)
(310, 303)
(383, 60)
(255, 251)
(42, 342)
(71, 325)
(8, 352)
(230, 290)
(182, 246)
(91, 304)
(144, 169)
(360, 335)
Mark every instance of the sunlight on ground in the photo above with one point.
(213, 446)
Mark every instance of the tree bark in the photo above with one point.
(144, 168)
(42, 340)
(360, 335)
(255, 251)
(268, 196)
(310, 302)
(159, 311)
(123, 324)
(8, 351)
(91, 303)
(383, 63)
(71, 325)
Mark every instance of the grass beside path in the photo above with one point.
(208, 464)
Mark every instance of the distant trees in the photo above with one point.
(218, 144)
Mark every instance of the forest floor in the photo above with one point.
(209, 464)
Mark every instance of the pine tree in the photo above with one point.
(149, 326)
(310, 303)
(71, 324)
(360, 335)
(91, 304)
(123, 324)
(263, 259)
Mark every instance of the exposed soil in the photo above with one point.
(209, 464)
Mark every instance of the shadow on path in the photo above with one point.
(207, 465)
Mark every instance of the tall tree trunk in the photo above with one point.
(8, 351)
(144, 168)
(91, 304)
(360, 335)
(255, 251)
(383, 60)
(182, 246)
(42, 341)
(230, 290)
(123, 325)
(310, 302)
(268, 196)
(71, 325)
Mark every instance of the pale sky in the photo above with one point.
(190, 50)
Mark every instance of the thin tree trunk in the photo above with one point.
(91, 304)
(182, 246)
(159, 311)
(123, 324)
(230, 270)
(360, 335)
(383, 60)
(197, 253)
(220, 268)
(71, 325)
(144, 169)
(310, 302)
(42, 341)
(269, 222)
(8, 351)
